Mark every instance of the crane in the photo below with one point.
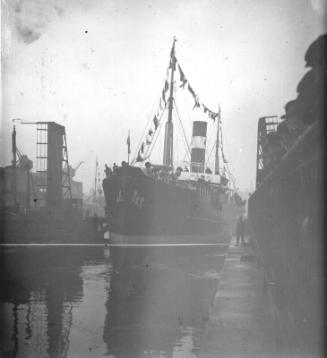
(72, 171)
(77, 166)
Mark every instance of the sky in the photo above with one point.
(97, 67)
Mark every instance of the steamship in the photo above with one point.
(166, 203)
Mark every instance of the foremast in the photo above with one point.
(168, 156)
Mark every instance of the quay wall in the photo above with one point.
(286, 220)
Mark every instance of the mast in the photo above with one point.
(169, 129)
(217, 169)
(95, 178)
(14, 164)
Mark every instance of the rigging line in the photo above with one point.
(188, 146)
(189, 116)
(150, 149)
(211, 136)
(214, 143)
(143, 135)
(188, 112)
(149, 152)
(141, 139)
(181, 132)
(208, 157)
(186, 161)
(150, 117)
(187, 154)
(187, 150)
(222, 146)
(229, 172)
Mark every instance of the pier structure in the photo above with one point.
(52, 166)
(266, 125)
(45, 205)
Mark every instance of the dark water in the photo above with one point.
(95, 301)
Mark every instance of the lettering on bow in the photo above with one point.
(120, 197)
(137, 199)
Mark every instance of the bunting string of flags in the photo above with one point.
(182, 77)
(197, 102)
(145, 146)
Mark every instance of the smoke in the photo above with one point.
(31, 18)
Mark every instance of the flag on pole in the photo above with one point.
(128, 142)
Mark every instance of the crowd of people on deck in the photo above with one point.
(165, 174)
(109, 172)
(309, 106)
(156, 172)
(160, 173)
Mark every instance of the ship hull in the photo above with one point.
(140, 209)
(162, 240)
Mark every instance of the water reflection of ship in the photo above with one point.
(145, 293)
(36, 306)
(147, 309)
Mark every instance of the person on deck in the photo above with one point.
(107, 171)
(240, 230)
(148, 169)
